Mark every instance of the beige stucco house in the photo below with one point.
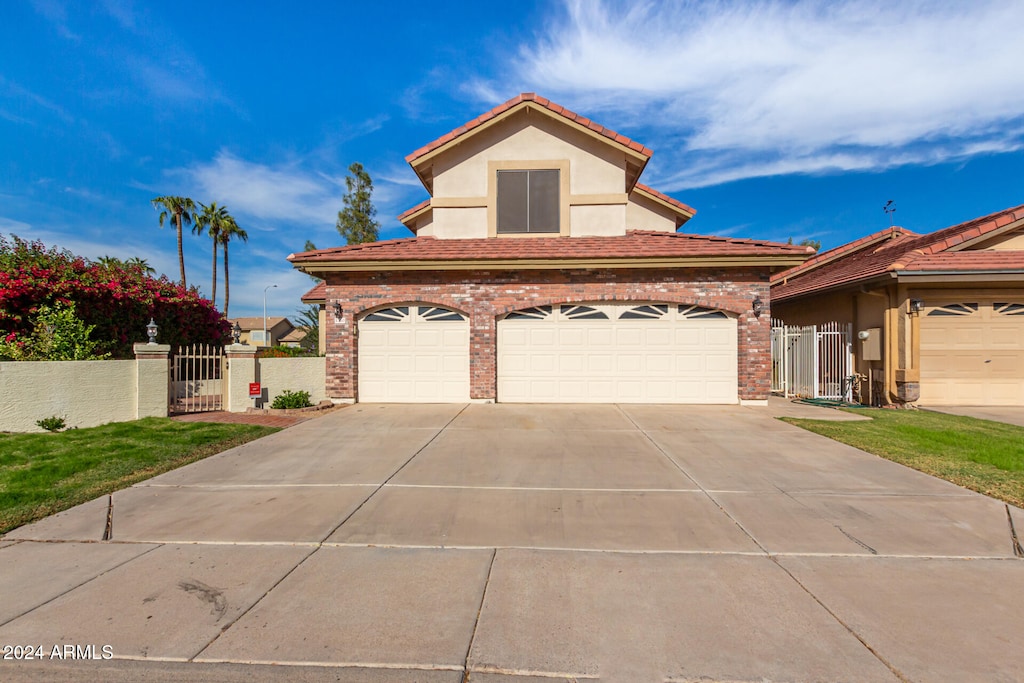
(252, 330)
(542, 270)
(941, 315)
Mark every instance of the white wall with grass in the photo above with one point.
(85, 393)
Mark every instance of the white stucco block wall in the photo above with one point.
(85, 393)
(294, 374)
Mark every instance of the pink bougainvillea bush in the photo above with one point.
(117, 298)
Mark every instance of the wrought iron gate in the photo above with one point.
(197, 373)
(813, 361)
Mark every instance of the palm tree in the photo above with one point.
(213, 218)
(136, 263)
(183, 211)
(229, 230)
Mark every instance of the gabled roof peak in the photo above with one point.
(542, 104)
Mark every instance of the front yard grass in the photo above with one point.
(41, 474)
(984, 456)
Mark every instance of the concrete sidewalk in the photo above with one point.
(526, 543)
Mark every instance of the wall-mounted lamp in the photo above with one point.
(916, 305)
(863, 335)
(338, 310)
(757, 306)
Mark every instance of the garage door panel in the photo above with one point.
(662, 357)
(975, 357)
(414, 354)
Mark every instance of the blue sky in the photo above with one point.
(773, 119)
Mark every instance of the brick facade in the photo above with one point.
(487, 295)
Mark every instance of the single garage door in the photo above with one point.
(414, 354)
(972, 353)
(617, 353)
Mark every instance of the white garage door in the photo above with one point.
(414, 354)
(972, 353)
(617, 353)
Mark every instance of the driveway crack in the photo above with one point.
(697, 483)
(1017, 550)
(479, 611)
(393, 474)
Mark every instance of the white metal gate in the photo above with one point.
(812, 361)
(197, 373)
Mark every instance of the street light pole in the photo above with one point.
(265, 314)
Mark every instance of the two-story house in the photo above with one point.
(542, 270)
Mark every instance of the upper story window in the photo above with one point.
(528, 201)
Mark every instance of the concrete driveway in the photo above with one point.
(526, 544)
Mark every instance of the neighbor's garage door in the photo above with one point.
(414, 354)
(972, 353)
(617, 353)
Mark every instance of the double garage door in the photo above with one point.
(571, 353)
(972, 352)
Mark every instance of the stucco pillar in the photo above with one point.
(152, 380)
(240, 369)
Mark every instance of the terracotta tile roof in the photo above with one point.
(540, 101)
(665, 198)
(316, 295)
(890, 251)
(968, 261)
(416, 209)
(634, 244)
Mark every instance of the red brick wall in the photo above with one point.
(486, 295)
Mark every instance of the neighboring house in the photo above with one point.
(293, 339)
(542, 271)
(252, 330)
(943, 313)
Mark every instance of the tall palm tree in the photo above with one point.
(229, 231)
(212, 218)
(183, 211)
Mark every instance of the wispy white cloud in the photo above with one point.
(290, 192)
(286, 192)
(740, 89)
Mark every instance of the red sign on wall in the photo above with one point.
(255, 390)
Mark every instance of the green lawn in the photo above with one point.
(41, 474)
(984, 456)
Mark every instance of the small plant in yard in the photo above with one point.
(51, 424)
(291, 399)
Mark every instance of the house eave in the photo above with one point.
(553, 264)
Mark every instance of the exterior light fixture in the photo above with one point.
(916, 305)
(151, 330)
(236, 332)
(757, 306)
(338, 310)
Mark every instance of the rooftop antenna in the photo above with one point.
(890, 208)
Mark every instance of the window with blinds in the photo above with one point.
(528, 201)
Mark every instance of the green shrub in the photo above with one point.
(291, 399)
(51, 424)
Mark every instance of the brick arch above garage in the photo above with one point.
(485, 295)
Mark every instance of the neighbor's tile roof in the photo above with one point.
(634, 244)
(540, 101)
(316, 295)
(893, 250)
